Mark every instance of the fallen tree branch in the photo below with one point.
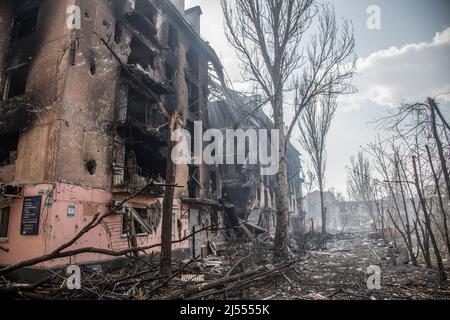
(195, 290)
(74, 252)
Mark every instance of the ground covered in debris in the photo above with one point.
(341, 273)
(249, 271)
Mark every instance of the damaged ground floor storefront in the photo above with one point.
(37, 219)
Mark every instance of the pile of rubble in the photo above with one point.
(226, 276)
(343, 270)
(249, 271)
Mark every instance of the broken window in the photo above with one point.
(150, 219)
(194, 101)
(4, 222)
(16, 82)
(172, 40)
(193, 62)
(147, 10)
(8, 148)
(138, 229)
(194, 181)
(144, 19)
(144, 162)
(170, 73)
(143, 110)
(141, 54)
(24, 24)
(190, 127)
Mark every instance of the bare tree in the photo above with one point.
(268, 35)
(361, 185)
(166, 224)
(310, 180)
(314, 124)
(414, 171)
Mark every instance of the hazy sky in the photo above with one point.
(408, 59)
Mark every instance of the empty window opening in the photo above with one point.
(172, 40)
(24, 24)
(194, 102)
(4, 222)
(151, 215)
(140, 54)
(147, 10)
(170, 73)
(143, 111)
(138, 229)
(194, 181)
(8, 148)
(16, 82)
(144, 162)
(191, 128)
(193, 62)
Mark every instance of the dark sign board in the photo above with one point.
(30, 216)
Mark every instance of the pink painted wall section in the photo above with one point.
(58, 224)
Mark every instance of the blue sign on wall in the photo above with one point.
(30, 216)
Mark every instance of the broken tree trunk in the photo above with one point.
(442, 274)
(166, 232)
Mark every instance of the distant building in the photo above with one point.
(341, 215)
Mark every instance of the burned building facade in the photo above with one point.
(252, 193)
(84, 87)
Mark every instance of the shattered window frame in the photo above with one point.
(9, 74)
(143, 213)
(29, 16)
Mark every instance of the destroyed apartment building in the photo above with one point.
(254, 194)
(82, 128)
